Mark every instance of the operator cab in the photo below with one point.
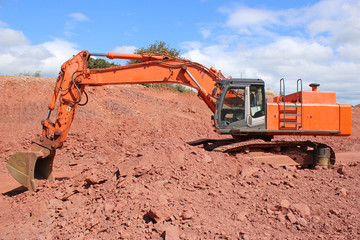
(240, 109)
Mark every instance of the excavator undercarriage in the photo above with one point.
(304, 154)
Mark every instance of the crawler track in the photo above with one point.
(233, 146)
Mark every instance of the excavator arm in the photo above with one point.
(69, 93)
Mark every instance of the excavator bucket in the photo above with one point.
(29, 167)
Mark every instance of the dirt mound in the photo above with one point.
(126, 172)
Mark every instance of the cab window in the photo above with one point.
(257, 104)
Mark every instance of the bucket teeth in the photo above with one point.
(28, 167)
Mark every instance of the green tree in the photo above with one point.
(37, 74)
(100, 63)
(29, 74)
(158, 46)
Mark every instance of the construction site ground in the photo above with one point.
(127, 172)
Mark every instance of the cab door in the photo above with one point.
(231, 108)
(256, 106)
(240, 107)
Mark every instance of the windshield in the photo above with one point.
(233, 108)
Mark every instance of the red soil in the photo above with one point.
(126, 172)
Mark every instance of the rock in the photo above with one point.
(281, 218)
(59, 195)
(38, 209)
(95, 179)
(65, 194)
(342, 170)
(288, 176)
(247, 172)
(125, 235)
(120, 205)
(162, 200)
(55, 203)
(342, 192)
(291, 217)
(316, 219)
(187, 214)
(239, 216)
(213, 193)
(142, 169)
(269, 211)
(159, 214)
(90, 191)
(274, 166)
(172, 233)
(285, 204)
(302, 222)
(289, 184)
(189, 235)
(291, 168)
(245, 237)
(275, 182)
(207, 158)
(273, 208)
(109, 208)
(160, 227)
(62, 212)
(335, 212)
(301, 208)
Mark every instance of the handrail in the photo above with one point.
(282, 95)
(299, 96)
(301, 99)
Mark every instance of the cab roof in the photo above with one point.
(241, 81)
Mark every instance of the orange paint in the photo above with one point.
(320, 114)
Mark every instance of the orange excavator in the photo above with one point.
(239, 105)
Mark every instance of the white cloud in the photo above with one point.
(292, 49)
(338, 19)
(72, 22)
(191, 45)
(17, 55)
(318, 43)
(125, 49)
(349, 51)
(205, 32)
(10, 38)
(3, 24)
(80, 17)
(38, 51)
(245, 17)
(61, 51)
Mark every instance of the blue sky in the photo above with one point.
(318, 41)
